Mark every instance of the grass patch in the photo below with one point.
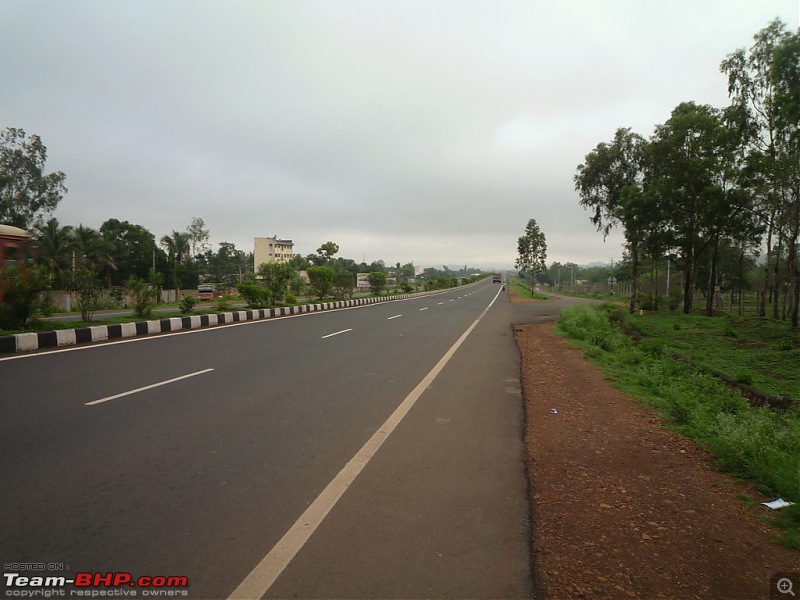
(756, 444)
(523, 290)
(759, 352)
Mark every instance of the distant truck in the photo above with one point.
(497, 278)
(206, 291)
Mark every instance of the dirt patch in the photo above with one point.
(623, 508)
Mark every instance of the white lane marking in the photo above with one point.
(394, 317)
(265, 573)
(442, 302)
(451, 299)
(147, 387)
(337, 333)
(425, 308)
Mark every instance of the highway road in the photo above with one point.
(372, 452)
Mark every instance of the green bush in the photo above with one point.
(22, 286)
(87, 290)
(187, 305)
(223, 303)
(142, 297)
(255, 295)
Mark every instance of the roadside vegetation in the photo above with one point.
(711, 189)
(753, 443)
(252, 295)
(523, 290)
(122, 265)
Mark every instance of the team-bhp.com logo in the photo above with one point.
(85, 584)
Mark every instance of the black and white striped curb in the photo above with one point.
(25, 342)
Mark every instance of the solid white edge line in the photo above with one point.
(266, 572)
(147, 387)
(337, 333)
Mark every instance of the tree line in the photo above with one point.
(122, 258)
(713, 179)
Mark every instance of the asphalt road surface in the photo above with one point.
(374, 452)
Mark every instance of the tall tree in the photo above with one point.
(688, 162)
(324, 255)
(177, 246)
(133, 249)
(91, 251)
(763, 84)
(26, 191)
(612, 183)
(198, 235)
(54, 245)
(532, 251)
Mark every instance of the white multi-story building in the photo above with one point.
(271, 250)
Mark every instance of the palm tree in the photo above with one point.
(92, 251)
(177, 246)
(54, 247)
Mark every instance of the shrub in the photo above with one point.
(223, 303)
(142, 294)
(187, 305)
(255, 295)
(87, 289)
(22, 286)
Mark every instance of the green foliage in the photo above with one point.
(711, 184)
(228, 266)
(522, 290)
(54, 246)
(275, 278)
(21, 286)
(132, 249)
(255, 295)
(377, 282)
(87, 290)
(291, 299)
(26, 191)
(756, 443)
(321, 281)
(297, 285)
(532, 250)
(142, 296)
(187, 305)
(223, 303)
(343, 284)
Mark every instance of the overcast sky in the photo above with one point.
(406, 130)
